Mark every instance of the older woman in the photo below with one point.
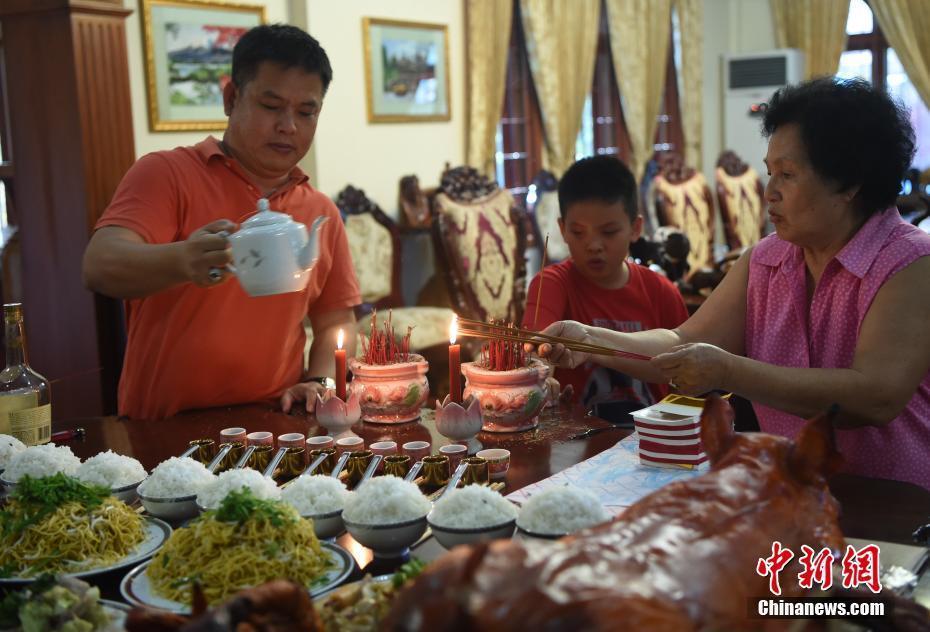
(832, 308)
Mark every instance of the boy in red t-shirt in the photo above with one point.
(598, 285)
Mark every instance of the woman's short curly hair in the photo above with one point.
(854, 134)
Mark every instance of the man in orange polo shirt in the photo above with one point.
(196, 339)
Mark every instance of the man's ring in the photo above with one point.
(215, 274)
(672, 384)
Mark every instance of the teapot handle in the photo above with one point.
(216, 274)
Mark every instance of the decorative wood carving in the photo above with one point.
(70, 111)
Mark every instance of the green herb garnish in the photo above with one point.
(408, 571)
(242, 505)
(34, 499)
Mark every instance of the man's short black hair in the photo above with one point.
(854, 134)
(282, 44)
(602, 178)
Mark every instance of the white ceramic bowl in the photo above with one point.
(327, 526)
(450, 537)
(128, 493)
(176, 509)
(541, 536)
(388, 540)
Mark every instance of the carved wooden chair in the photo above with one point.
(480, 240)
(542, 205)
(374, 244)
(683, 201)
(741, 200)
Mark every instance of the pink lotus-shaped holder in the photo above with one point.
(336, 415)
(460, 423)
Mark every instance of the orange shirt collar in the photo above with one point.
(210, 147)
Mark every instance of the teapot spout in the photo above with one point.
(308, 255)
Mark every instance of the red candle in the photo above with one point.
(455, 364)
(340, 367)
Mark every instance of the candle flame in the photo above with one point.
(339, 339)
(453, 328)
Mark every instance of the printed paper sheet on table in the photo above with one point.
(615, 476)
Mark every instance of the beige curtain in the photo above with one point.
(488, 25)
(817, 28)
(691, 77)
(561, 44)
(906, 24)
(639, 32)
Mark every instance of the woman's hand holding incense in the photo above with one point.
(695, 368)
(557, 353)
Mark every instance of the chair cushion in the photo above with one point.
(547, 218)
(686, 206)
(483, 246)
(372, 249)
(741, 206)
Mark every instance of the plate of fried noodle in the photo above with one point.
(57, 524)
(245, 542)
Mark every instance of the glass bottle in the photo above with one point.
(25, 398)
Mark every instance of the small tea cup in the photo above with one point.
(476, 472)
(456, 452)
(233, 435)
(397, 465)
(349, 444)
(498, 461)
(416, 450)
(320, 442)
(292, 440)
(262, 437)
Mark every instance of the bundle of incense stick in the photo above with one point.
(491, 331)
(382, 347)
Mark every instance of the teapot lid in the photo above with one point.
(265, 216)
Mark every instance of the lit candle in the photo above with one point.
(455, 363)
(340, 367)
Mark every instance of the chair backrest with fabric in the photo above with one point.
(683, 201)
(545, 212)
(374, 243)
(740, 197)
(481, 240)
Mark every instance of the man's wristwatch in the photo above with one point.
(327, 382)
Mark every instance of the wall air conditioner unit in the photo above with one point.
(749, 80)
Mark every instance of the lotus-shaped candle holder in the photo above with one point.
(390, 393)
(460, 423)
(336, 415)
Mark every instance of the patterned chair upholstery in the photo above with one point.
(740, 198)
(683, 201)
(374, 243)
(545, 210)
(480, 239)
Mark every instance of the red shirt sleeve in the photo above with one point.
(553, 302)
(674, 312)
(147, 201)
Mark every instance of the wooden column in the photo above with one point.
(72, 140)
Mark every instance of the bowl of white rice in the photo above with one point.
(213, 493)
(9, 445)
(39, 461)
(170, 491)
(560, 510)
(386, 514)
(121, 474)
(320, 498)
(472, 514)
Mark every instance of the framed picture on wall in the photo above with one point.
(188, 57)
(406, 71)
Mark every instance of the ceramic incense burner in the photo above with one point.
(390, 393)
(510, 401)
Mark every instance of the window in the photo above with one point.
(868, 55)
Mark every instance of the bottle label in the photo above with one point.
(31, 425)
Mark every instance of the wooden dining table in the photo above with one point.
(871, 509)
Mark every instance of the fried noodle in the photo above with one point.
(72, 538)
(225, 557)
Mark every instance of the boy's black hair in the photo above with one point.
(602, 178)
(854, 134)
(282, 44)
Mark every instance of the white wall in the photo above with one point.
(374, 156)
(347, 149)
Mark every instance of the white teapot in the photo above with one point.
(273, 254)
